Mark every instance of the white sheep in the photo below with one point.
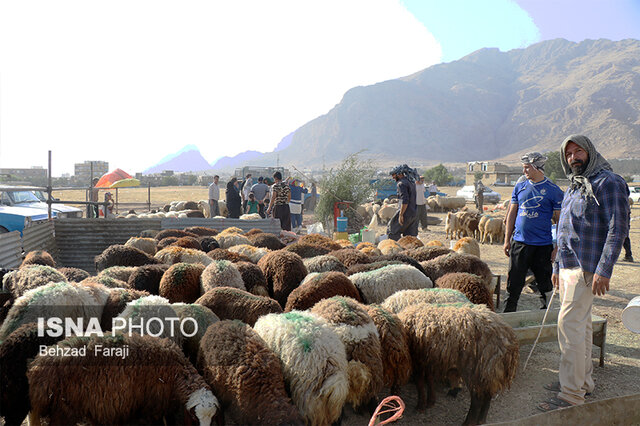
(375, 286)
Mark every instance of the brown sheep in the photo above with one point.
(233, 303)
(181, 282)
(494, 230)
(74, 274)
(202, 231)
(147, 278)
(245, 375)
(324, 263)
(265, 240)
(166, 242)
(451, 228)
(38, 257)
(224, 254)
(116, 302)
(284, 271)
(427, 253)
(350, 257)
(173, 233)
(188, 242)
(470, 285)
(467, 245)
(120, 255)
(306, 250)
(456, 262)
(253, 231)
(253, 278)
(320, 240)
(318, 286)
(409, 242)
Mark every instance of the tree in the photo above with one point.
(478, 176)
(553, 167)
(438, 174)
(351, 181)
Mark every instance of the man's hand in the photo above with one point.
(506, 248)
(553, 254)
(600, 285)
(555, 280)
(400, 219)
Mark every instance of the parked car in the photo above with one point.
(634, 193)
(16, 218)
(21, 197)
(490, 196)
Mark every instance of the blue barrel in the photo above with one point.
(341, 224)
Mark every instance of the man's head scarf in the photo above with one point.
(536, 159)
(594, 165)
(408, 172)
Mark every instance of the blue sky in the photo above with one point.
(131, 81)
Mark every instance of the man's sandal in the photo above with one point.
(553, 403)
(555, 387)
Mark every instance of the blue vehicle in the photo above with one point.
(15, 218)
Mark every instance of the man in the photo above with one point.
(214, 196)
(94, 209)
(421, 207)
(433, 189)
(260, 191)
(246, 189)
(534, 203)
(404, 222)
(594, 221)
(296, 204)
(478, 194)
(279, 202)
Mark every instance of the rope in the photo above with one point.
(540, 331)
(391, 404)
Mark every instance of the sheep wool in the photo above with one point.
(173, 233)
(147, 245)
(138, 387)
(147, 278)
(318, 286)
(435, 243)
(232, 303)
(181, 282)
(365, 267)
(220, 273)
(472, 341)
(284, 272)
(121, 273)
(404, 259)
(105, 280)
(428, 252)
(262, 239)
(394, 342)
(467, 245)
(306, 250)
(116, 303)
(345, 244)
(227, 240)
(253, 278)
(188, 242)
(28, 277)
(314, 363)
(400, 300)
(410, 242)
(470, 285)
(371, 251)
(320, 240)
(208, 243)
(38, 257)
(324, 263)
(120, 255)
(173, 254)
(456, 262)
(253, 253)
(231, 230)
(250, 216)
(145, 308)
(240, 368)
(389, 246)
(377, 285)
(351, 322)
(193, 333)
(350, 257)
(224, 254)
(73, 274)
(202, 231)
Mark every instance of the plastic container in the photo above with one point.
(341, 224)
(368, 235)
(340, 236)
(631, 315)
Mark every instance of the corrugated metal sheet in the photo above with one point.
(80, 240)
(267, 225)
(10, 249)
(39, 236)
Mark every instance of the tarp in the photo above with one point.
(109, 179)
(125, 183)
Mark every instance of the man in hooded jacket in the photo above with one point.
(405, 221)
(594, 221)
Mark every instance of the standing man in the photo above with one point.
(94, 209)
(534, 203)
(279, 202)
(433, 189)
(246, 189)
(214, 196)
(260, 190)
(405, 221)
(421, 207)
(314, 197)
(594, 222)
(296, 204)
(479, 195)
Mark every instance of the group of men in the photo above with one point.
(593, 218)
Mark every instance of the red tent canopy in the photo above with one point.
(109, 178)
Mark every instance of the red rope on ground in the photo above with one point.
(391, 404)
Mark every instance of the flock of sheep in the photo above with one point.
(280, 333)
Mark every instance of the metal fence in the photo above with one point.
(40, 236)
(10, 249)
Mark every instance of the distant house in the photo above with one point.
(493, 173)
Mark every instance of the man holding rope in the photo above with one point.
(592, 227)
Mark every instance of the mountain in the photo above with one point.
(227, 163)
(488, 105)
(188, 159)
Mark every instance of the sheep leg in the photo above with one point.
(484, 408)
(428, 400)
(34, 418)
(422, 403)
(478, 405)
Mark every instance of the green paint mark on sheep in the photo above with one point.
(300, 322)
(388, 316)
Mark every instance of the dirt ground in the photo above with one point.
(619, 376)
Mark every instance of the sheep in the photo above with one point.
(320, 240)
(401, 257)
(194, 330)
(456, 262)
(435, 243)
(389, 246)
(181, 282)
(253, 253)
(254, 280)
(313, 360)
(38, 257)
(144, 309)
(172, 254)
(385, 213)
(148, 233)
(15, 352)
(73, 274)
(220, 273)
(345, 244)
(409, 242)
(318, 286)
(208, 243)
(227, 240)
(324, 263)
(377, 285)
(306, 250)
(147, 278)
(350, 257)
(166, 242)
(142, 385)
(450, 203)
(174, 233)
(121, 273)
(494, 230)
(284, 272)
(187, 242)
(59, 299)
(467, 245)
(222, 206)
(468, 223)
(240, 367)
(120, 255)
(231, 230)
(451, 226)
(250, 216)
(224, 254)
(371, 251)
(394, 342)
(265, 240)
(147, 245)
(116, 303)
(401, 299)
(29, 277)
(470, 285)
(427, 253)
(233, 303)
(202, 231)
(351, 322)
(469, 341)
(204, 207)
(366, 267)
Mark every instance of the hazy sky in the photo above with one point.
(132, 81)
